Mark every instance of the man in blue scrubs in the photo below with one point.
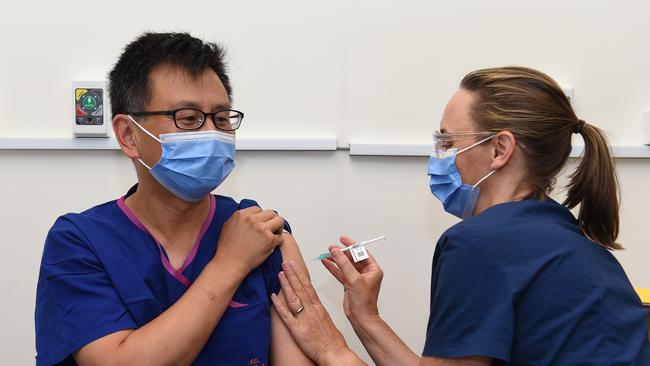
(168, 273)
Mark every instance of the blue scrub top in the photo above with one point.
(521, 284)
(102, 272)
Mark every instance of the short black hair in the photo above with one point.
(129, 84)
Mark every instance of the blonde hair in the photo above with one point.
(535, 110)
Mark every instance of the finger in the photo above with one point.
(297, 287)
(293, 302)
(334, 270)
(372, 261)
(346, 240)
(329, 249)
(278, 240)
(266, 215)
(286, 315)
(347, 252)
(275, 225)
(349, 272)
(250, 210)
(306, 283)
(332, 246)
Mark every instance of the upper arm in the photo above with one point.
(284, 350)
(291, 252)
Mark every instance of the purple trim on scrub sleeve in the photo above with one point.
(176, 273)
(236, 304)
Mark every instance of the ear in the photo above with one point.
(125, 135)
(504, 144)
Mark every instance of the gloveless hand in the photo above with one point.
(249, 237)
(361, 281)
(308, 322)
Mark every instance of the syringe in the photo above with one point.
(353, 246)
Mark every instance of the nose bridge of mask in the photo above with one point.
(188, 136)
(196, 136)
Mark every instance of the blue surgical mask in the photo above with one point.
(192, 164)
(457, 198)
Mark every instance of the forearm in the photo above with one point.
(344, 358)
(178, 335)
(381, 342)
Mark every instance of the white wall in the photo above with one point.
(370, 70)
(343, 69)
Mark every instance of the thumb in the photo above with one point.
(346, 240)
(349, 272)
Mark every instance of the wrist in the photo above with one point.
(227, 268)
(231, 264)
(360, 319)
(365, 326)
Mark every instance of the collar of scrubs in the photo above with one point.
(176, 273)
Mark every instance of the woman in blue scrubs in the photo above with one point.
(520, 280)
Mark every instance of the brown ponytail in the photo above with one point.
(534, 109)
(594, 186)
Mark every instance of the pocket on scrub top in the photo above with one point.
(241, 313)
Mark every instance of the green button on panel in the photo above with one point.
(89, 102)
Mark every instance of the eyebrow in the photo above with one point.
(194, 105)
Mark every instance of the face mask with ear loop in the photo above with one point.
(192, 164)
(457, 198)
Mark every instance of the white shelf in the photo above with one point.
(378, 149)
(80, 143)
(109, 143)
(278, 144)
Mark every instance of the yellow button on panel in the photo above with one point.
(79, 93)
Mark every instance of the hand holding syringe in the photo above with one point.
(357, 250)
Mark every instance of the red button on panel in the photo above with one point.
(80, 112)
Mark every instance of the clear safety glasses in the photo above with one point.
(443, 143)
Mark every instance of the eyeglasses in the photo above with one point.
(445, 141)
(193, 119)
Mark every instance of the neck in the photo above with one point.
(163, 213)
(500, 189)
